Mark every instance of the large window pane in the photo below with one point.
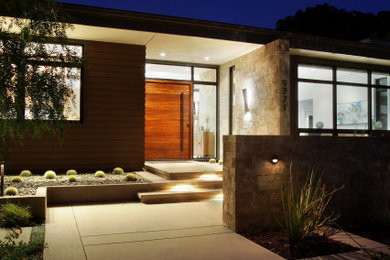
(380, 109)
(314, 72)
(315, 105)
(204, 74)
(352, 75)
(158, 71)
(382, 79)
(352, 112)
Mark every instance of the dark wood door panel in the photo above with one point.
(168, 120)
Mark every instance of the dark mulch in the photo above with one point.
(315, 245)
(29, 185)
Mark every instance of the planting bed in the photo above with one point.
(29, 185)
(315, 245)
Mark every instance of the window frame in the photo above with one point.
(334, 64)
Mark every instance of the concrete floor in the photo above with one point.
(191, 230)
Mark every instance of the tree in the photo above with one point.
(329, 21)
(34, 72)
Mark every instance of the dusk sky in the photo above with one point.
(258, 13)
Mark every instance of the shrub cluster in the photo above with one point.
(11, 191)
(100, 174)
(118, 171)
(131, 177)
(16, 179)
(212, 160)
(71, 172)
(50, 174)
(72, 178)
(25, 173)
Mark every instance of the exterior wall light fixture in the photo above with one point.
(245, 96)
(275, 159)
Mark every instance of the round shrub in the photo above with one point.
(220, 162)
(25, 173)
(72, 178)
(13, 215)
(11, 191)
(118, 171)
(100, 174)
(16, 179)
(131, 177)
(71, 172)
(50, 175)
(212, 160)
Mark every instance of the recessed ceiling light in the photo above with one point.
(162, 54)
(207, 58)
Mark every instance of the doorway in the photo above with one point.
(168, 120)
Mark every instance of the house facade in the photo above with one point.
(157, 87)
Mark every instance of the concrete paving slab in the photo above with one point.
(226, 246)
(138, 217)
(62, 236)
(358, 241)
(152, 235)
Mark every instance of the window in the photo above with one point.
(337, 100)
(61, 67)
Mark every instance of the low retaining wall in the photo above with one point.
(97, 193)
(252, 183)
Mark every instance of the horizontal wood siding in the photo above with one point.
(112, 133)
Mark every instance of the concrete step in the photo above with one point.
(169, 196)
(196, 184)
(183, 171)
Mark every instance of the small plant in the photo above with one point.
(131, 177)
(220, 162)
(13, 215)
(71, 172)
(212, 160)
(72, 178)
(16, 179)
(100, 174)
(118, 171)
(304, 214)
(25, 173)
(50, 175)
(11, 191)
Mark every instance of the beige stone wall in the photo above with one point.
(264, 72)
(252, 198)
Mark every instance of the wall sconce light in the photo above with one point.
(275, 159)
(245, 96)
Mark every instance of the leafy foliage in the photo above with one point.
(9, 249)
(13, 215)
(305, 212)
(329, 21)
(30, 78)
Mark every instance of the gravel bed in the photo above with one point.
(30, 184)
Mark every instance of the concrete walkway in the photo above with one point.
(191, 230)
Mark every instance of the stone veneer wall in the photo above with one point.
(252, 183)
(264, 72)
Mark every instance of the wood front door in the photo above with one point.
(168, 120)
